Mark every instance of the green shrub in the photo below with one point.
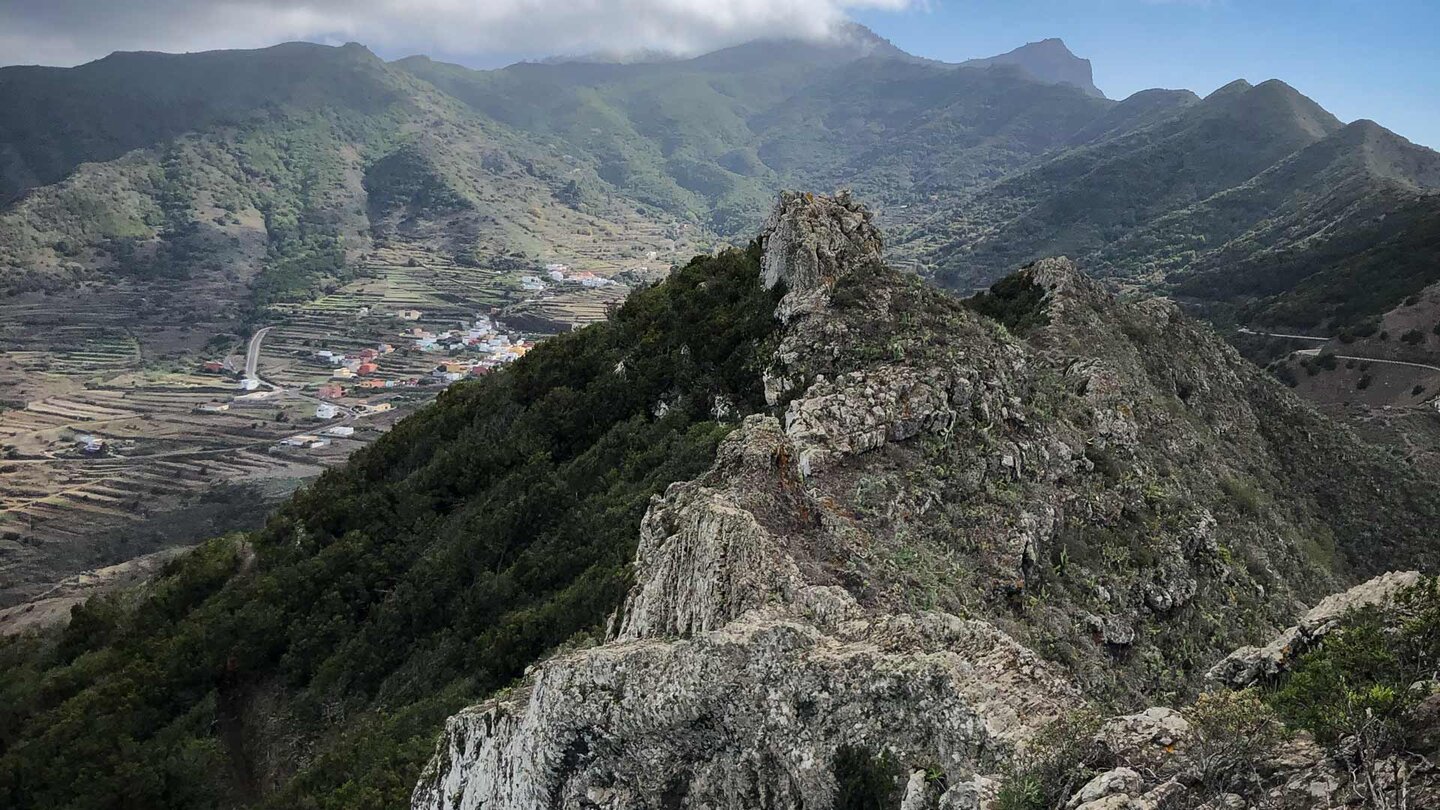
(1058, 761)
(1359, 679)
(430, 570)
(1230, 733)
(1015, 301)
(1242, 493)
(865, 781)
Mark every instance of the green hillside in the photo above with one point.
(430, 571)
(1254, 201)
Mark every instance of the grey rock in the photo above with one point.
(1118, 783)
(736, 678)
(812, 240)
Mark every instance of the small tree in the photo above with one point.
(1230, 733)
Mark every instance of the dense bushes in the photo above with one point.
(431, 570)
(1015, 301)
(1361, 679)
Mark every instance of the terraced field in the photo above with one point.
(56, 502)
(118, 363)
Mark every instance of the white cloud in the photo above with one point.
(70, 31)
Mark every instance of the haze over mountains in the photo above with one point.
(1237, 198)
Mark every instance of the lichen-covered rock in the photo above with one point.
(1151, 740)
(1119, 782)
(860, 412)
(811, 241)
(775, 675)
(751, 715)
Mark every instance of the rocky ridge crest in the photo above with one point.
(873, 564)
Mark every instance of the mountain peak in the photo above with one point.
(811, 240)
(1049, 60)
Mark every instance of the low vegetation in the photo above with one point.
(485, 531)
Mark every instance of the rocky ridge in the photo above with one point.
(876, 563)
(738, 668)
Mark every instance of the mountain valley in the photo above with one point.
(379, 434)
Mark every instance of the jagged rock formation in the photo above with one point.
(739, 666)
(1048, 60)
(932, 499)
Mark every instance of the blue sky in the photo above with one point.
(1377, 59)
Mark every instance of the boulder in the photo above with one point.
(1118, 783)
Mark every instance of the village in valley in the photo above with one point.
(124, 435)
(348, 385)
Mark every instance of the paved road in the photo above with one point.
(252, 355)
(1316, 352)
(1244, 331)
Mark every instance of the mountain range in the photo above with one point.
(789, 529)
(1253, 199)
(795, 525)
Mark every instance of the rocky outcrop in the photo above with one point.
(870, 563)
(811, 241)
(734, 678)
(739, 665)
(1249, 665)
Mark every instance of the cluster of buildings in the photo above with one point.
(362, 363)
(314, 441)
(475, 349)
(561, 274)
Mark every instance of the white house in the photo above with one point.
(326, 411)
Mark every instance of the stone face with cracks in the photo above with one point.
(749, 710)
(737, 667)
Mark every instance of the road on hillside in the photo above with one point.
(1316, 353)
(252, 355)
(1246, 331)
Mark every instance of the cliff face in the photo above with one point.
(941, 538)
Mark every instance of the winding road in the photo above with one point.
(1316, 352)
(252, 356)
(1244, 330)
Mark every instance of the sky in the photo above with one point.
(1375, 59)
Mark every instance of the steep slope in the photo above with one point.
(1048, 60)
(59, 118)
(902, 131)
(297, 155)
(311, 664)
(716, 135)
(1087, 197)
(1254, 202)
(1336, 235)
